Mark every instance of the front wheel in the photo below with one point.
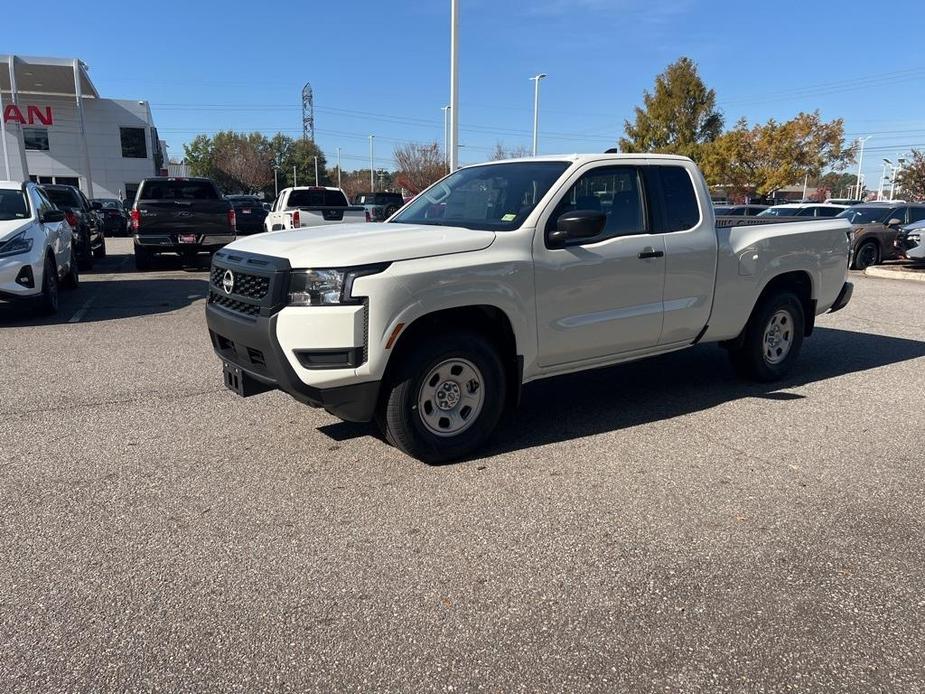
(445, 398)
(773, 338)
(49, 298)
(868, 254)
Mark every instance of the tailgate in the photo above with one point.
(183, 216)
(316, 216)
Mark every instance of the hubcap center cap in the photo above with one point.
(447, 395)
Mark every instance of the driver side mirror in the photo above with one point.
(52, 216)
(894, 222)
(577, 225)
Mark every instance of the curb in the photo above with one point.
(895, 274)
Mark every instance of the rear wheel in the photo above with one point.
(72, 280)
(773, 338)
(868, 254)
(142, 258)
(85, 254)
(49, 299)
(445, 398)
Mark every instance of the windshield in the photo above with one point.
(13, 205)
(491, 197)
(110, 204)
(866, 215)
(779, 212)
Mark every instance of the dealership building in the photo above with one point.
(56, 128)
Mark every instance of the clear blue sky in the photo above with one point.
(382, 67)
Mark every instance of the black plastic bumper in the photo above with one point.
(251, 347)
(844, 296)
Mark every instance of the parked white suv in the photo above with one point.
(36, 246)
(508, 272)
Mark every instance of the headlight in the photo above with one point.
(16, 245)
(327, 287)
(914, 237)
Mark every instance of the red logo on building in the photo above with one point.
(12, 114)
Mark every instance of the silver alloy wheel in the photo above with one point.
(451, 397)
(778, 337)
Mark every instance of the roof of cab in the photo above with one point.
(584, 158)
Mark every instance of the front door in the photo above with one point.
(604, 295)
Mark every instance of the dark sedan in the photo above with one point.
(114, 216)
(249, 212)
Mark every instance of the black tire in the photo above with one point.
(142, 258)
(399, 414)
(100, 251)
(757, 358)
(48, 301)
(85, 258)
(72, 280)
(868, 254)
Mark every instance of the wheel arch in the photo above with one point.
(489, 321)
(800, 282)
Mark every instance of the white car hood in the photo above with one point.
(11, 227)
(344, 245)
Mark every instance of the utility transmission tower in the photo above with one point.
(308, 113)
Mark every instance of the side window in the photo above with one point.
(805, 212)
(916, 214)
(681, 209)
(42, 204)
(899, 213)
(614, 190)
(827, 211)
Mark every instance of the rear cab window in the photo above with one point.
(317, 198)
(178, 190)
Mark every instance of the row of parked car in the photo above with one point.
(884, 230)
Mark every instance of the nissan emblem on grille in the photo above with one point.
(228, 282)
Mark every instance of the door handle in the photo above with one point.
(651, 253)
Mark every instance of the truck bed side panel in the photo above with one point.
(751, 256)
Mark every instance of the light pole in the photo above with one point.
(454, 85)
(536, 106)
(316, 171)
(446, 128)
(295, 180)
(896, 172)
(862, 140)
(338, 168)
(372, 180)
(886, 163)
(276, 180)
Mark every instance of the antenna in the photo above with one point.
(308, 113)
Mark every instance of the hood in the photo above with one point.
(363, 243)
(11, 227)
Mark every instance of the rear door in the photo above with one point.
(181, 206)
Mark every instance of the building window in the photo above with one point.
(35, 138)
(67, 181)
(134, 145)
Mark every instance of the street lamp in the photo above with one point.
(446, 128)
(862, 140)
(454, 84)
(372, 181)
(536, 106)
(886, 163)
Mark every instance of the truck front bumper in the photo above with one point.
(254, 362)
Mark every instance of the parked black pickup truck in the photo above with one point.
(185, 216)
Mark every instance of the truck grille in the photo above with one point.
(233, 304)
(251, 286)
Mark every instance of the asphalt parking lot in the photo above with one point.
(659, 526)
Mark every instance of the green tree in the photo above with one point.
(769, 156)
(198, 154)
(678, 117)
(911, 180)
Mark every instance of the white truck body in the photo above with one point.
(311, 206)
(546, 305)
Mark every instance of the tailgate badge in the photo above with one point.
(228, 281)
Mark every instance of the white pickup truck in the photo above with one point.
(311, 206)
(509, 272)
